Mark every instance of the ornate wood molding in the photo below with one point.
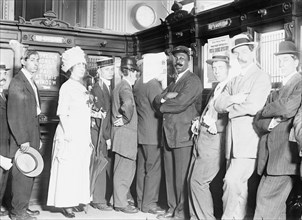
(49, 20)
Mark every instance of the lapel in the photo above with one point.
(241, 80)
(287, 88)
(27, 84)
(184, 76)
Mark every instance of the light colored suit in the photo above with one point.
(124, 142)
(242, 139)
(278, 157)
(205, 165)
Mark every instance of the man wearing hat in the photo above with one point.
(23, 108)
(101, 132)
(242, 98)
(278, 160)
(124, 135)
(208, 154)
(5, 162)
(177, 104)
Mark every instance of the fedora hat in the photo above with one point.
(181, 49)
(104, 62)
(218, 57)
(3, 67)
(287, 47)
(29, 163)
(241, 40)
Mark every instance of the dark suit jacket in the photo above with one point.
(124, 138)
(4, 131)
(276, 153)
(103, 101)
(179, 111)
(149, 126)
(22, 114)
(298, 127)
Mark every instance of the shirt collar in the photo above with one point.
(105, 81)
(27, 74)
(181, 74)
(288, 77)
(127, 82)
(244, 70)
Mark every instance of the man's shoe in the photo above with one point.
(102, 207)
(24, 216)
(3, 213)
(167, 215)
(33, 212)
(156, 210)
(128, 209)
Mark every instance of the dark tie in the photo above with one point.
(3, 96)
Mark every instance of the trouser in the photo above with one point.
(204, 168)
(21, 191)
(176, 165)
(3, 183)
(123, 174)
(148, 176)
(271, 197)
(235, 188)
(104, 182)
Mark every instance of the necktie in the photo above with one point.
(3, 96)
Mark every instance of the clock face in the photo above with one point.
(144, 16)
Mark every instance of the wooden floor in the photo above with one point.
(92, 213)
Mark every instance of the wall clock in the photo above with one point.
(143, 16)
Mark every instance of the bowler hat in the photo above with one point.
(104, 62)
(129, 63)
(218, 57)
(287, 47)
(241, 40)
(30, 163)
(181, 49)
(3, 66)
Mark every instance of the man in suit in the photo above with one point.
(124, 135)
(278, 160)
(5, 162)
(23, 108)
(148, 173)
(208, 154)
(242, 98)
(101, 132)
(177, 104)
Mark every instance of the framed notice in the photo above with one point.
(48, 76)
(214, 46)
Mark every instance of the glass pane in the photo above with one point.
(268, 46)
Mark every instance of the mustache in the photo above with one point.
(178, 64)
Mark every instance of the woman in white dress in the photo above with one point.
(69, 176)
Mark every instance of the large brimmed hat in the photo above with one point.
(181, 49)
(241, 40)
(29, 163)
(218, 57)
(72, 57)
(104, 62)
(287, 47)
(3, 67)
